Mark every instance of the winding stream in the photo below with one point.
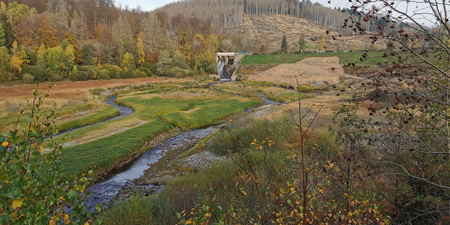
(105, 192)
(124, 111)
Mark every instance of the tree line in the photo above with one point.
(93, 39)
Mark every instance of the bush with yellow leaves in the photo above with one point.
(32, 190)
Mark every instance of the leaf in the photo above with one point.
(17, 203)
(98, 207)
(245, 193)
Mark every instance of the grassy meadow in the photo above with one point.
(344, 58)
(156, 112)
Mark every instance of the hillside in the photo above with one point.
(269, 30)
(78, 40)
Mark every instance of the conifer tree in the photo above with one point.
(301, 43)
(284, 45)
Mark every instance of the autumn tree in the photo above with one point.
(199, 44)
(164, 63)
(284, 45)
(77, 49)
(41, 57)
(69, 59)
(323, 43)
(55, 62)
(16, 59)
(128, 62)
(16, 11)
(16, 64)
(140, 49)
(47, 35)
(179, 60)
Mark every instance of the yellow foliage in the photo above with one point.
(323, 43)
(17, 203)
(140, 49)
(16, 64)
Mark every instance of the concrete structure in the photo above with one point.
(227, 64)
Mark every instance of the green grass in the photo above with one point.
(247, 131)
(107, 151)
(207, 112)
(344, 58)
(8, 121)
(149, 108)
(74, 135)
(216, 185)
(100, 115)
(242, 90)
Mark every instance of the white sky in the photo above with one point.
(146, 5)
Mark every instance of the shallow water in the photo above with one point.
(105, 191)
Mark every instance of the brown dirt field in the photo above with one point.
(68, 92)
(320, 69)
(66, 89)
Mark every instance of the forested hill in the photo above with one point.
(60, 38)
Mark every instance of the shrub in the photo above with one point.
(115, 71)
(127, 74)
(55, 76)
(248, 130)
(33, 189)
(177, 72)
(74, 77)
(138, 73)
(6, 76)
(28, 78)
(146, 70)
(87, 72)
(37, 72)
(104, 74)
(179, 60)
(192, 73)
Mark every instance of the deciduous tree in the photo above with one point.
(140, 49)
(128, 62)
